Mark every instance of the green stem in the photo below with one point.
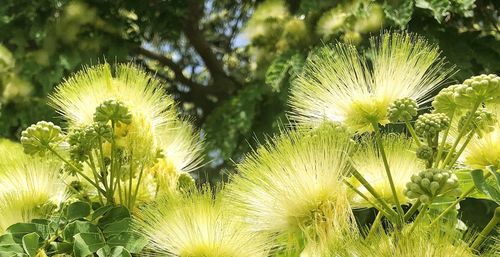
(90, 163)
(101, 163)
(462, 148)
(375, 225)
(137, 187)
(419, 217)
(489, 227)
(131, 173)
(412, 210)
(443, 143)
(412, 132)
(113, 157)
(372, 191)
(461, 134)
(460, 198)
(378, 139)
(76, 169)
(379, 208)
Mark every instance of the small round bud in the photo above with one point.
(424, 198)
(434, 187)
(429, 124)
(424, 152)
(40, 136)
(416, 179)
(402, 109)
(425, 182)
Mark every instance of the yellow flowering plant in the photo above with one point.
(116, 181)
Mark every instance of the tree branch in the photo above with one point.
(179, 75)
(196, 38)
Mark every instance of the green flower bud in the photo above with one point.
(424, 152)
(416, 179)
(425, 182)
(484, 87)
(114, 111)
(448, 99)
(402, 109)
(429, 124)
(483, 122)
(431, 183)
(425, 199)
(40, 136)
(434, 186)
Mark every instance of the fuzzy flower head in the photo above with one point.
(422, 242)
(197, 225)
(339, 83)
(29, 188)
(402, 161)
(98, 92)
(293, 186)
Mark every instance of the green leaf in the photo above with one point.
(19, 230)
(132, 241)
(117, 227)
(439, 8)
(62, 247)
(101, 211)
(278, 71)
(78, 210)
(113, 215)
(118, 251)
(12, 254)
(77, 227)
(87, 243)
(7, 244)
(485, 188)
(31, 243)
(399, 12)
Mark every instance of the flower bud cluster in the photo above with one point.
(447, 100)
(402, 109)
(483, 122)
(40, 136)
(485, 87)
(424, 152)
(429, 124)
(431, 183)
(114, 111)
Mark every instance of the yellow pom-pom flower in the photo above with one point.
(293, 187)
(29, 188)
(198, 225)
(402, 161)
(339, 84)
(78, 97)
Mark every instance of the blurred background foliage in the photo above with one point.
(229, 63)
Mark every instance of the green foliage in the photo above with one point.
(77, 231)
(492, 191)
